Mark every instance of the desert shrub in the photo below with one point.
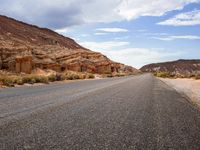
(83, 76)
(74, 76)
(197, 77)
(192, 76)
(60, 77)
(69, 77)
(90, 76)
(119, 75)
(44, 79)
(19, 81)
(109, 75)
(52, 78)
(26, 79)
(164, 75)
(7, 81)
(31, 79)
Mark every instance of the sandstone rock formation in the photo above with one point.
(24, 47)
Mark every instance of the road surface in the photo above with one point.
(138, 112)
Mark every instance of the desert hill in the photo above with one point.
(179, 67)
(25, 47)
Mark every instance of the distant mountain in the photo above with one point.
(25, 47)
(181, 67)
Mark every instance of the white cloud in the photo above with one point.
(136, 57)
(61, 13)
(122, 38)
(180, 37)
(184, 19)
(62, 31)
(103, 45)
(100, 33)
(112, 30)
(84, 35)
(142, 30)
(131, 9)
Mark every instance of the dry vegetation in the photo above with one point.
(11, 80)
(8, 79)
(112, 75)
(174, 76)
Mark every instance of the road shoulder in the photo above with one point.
(189, 88)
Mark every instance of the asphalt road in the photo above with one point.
(138, 112)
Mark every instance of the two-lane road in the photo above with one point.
(138, 112)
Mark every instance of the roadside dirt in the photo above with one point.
(189, 87)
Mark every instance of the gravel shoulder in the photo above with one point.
(187, 87)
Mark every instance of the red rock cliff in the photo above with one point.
(24, 47)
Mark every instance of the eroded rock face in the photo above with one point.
(25, 47)
(23, 64)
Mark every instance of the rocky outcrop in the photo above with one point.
(25, 47)
(179, 67)
(24, 64)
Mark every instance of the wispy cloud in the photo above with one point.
(84, 35)
(137, 57)
(62, 30)
(184, 19)
(104, 45)
(66, 13)
(112, 30)
(100, 33)
(180, 37)
(142, 30)
(122, 38)
(131, 9)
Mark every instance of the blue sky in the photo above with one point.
(134, 32)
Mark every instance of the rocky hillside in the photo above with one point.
(179, 67)
(25, 47)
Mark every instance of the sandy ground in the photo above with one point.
(189, 87)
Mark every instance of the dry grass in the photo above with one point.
(197, 77)
(164, 75)
(111, 75)
(20, 79)
(174, 76)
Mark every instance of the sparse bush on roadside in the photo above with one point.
(52, 78)
(60, 77)
(83, 76)
(20, 79)
(164, 75)
(28, 79)
(119, 75)
(172, 75)
(109, 75)
(76, 76)
(72, 76)
(197, 77)
(31, 79)
(90, 76)
(7, 81)
(10, 80)
(192, 76)
(114, 75)
(44, 79)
